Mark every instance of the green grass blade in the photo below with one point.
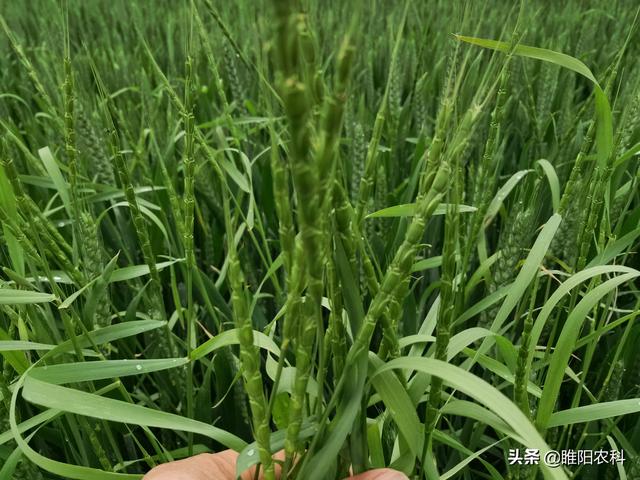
(9, 296)
(17, 345)
(106, 335)
(56, 176)
(87, 404)
(485, 394)
(230, 337)
(427, 263)
(554, 182)
(62, 469)
(399, 405)
(502, 194)
(409, 209)
(101, 370)
(528, 271)
(598, 411)
(10, 464)
(566, 343)
(604, 133)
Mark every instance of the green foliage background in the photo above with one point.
(330, 227)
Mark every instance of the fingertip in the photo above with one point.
(204, 466)
(381, 474)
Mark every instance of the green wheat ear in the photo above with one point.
(94, 268)
(91, 146)
(250, 359)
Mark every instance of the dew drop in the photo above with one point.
(138, 367)
(251, 452)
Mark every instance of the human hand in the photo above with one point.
(222, 466)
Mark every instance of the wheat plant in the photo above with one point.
(366, 234)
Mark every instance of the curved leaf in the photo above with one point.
(409, 209)
(566, 344)
(230, 337)
(554, 182)
(91, 405)
(485, 394)
(604, 132)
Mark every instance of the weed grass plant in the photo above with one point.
(369, 234)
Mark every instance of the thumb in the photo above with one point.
(380, 474)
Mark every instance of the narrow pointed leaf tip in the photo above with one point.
(604, 121)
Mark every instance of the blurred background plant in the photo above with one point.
(329, 227)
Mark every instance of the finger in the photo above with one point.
(380, 474)
(206, 466)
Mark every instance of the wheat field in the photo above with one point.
(368, 234)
